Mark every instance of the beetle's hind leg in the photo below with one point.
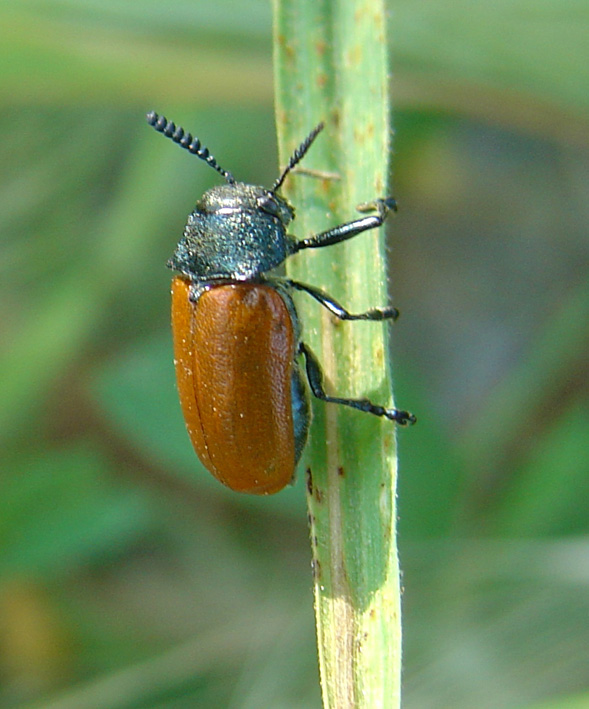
(315, 377)
(386, 313)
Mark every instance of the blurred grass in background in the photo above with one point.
(128, 578)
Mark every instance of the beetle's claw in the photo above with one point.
(382, 205)
(403, 418)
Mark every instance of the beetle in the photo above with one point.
(237, 337)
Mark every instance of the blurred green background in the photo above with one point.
(128, 577)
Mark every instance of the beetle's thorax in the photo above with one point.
(236, 232)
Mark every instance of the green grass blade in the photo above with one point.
(331, 65)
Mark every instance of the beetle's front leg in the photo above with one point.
(349, 230)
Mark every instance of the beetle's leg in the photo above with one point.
(315, 377)
(350, 229)
(301, 411)
(388, 313)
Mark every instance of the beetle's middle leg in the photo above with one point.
(387, 313)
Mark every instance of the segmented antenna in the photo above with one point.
(193, 145)
(297, 156)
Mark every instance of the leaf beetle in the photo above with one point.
(236, 333)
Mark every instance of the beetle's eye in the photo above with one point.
(269, 204)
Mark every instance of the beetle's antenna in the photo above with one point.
(297, 156)
(193, 145)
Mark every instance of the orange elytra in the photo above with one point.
(234, 351)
